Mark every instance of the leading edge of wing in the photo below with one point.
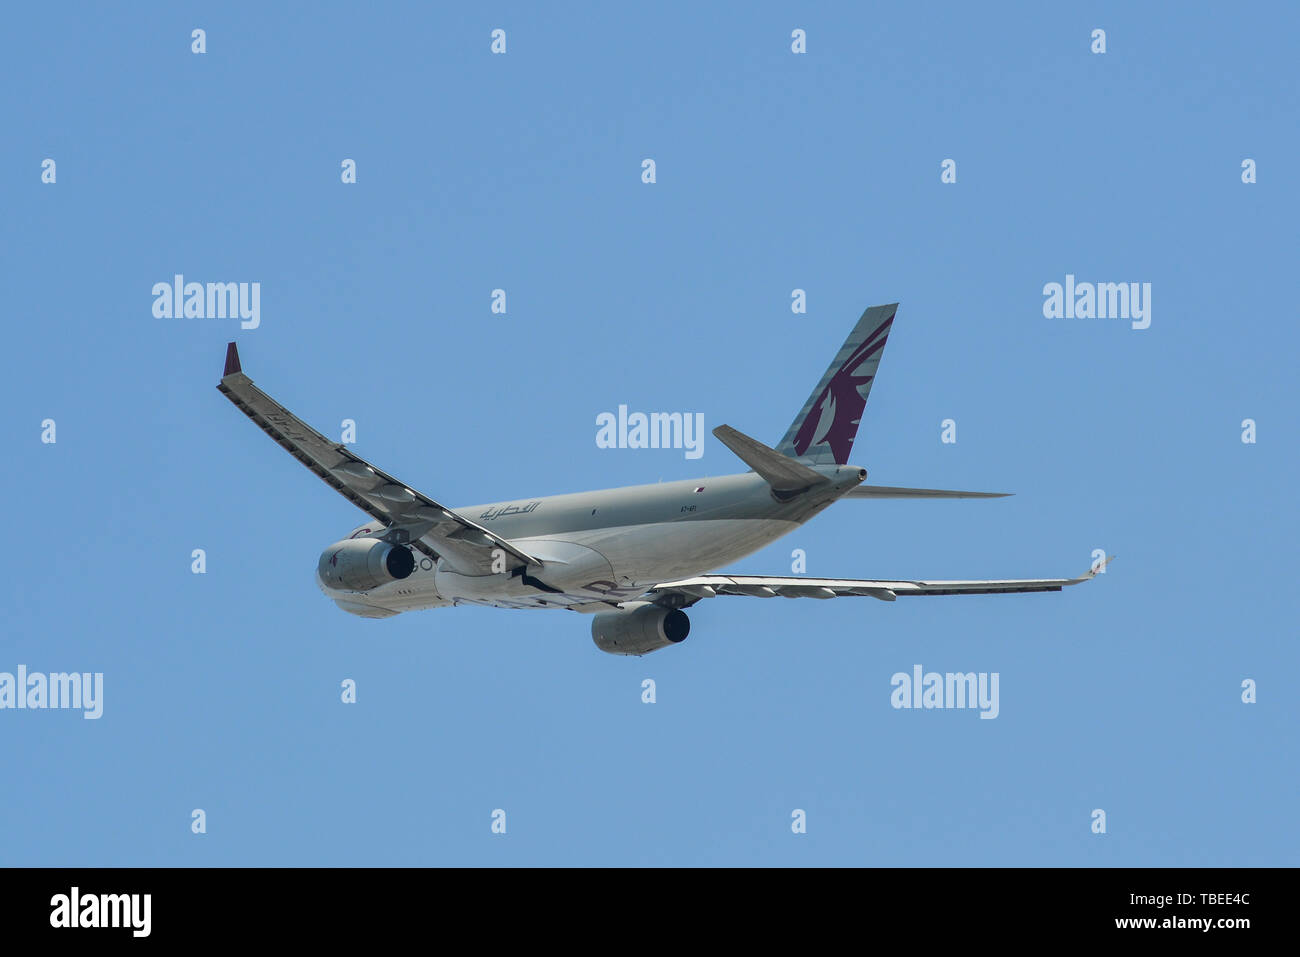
(371, 489)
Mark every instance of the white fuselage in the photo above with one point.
(603, 547)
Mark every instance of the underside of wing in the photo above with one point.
(687, 591)
(411, 517)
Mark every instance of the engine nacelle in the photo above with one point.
(640, 631)
(359, 564)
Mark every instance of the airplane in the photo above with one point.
(633, 558)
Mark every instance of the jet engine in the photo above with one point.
(359, 564)
(639, 631)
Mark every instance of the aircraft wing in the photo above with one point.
(687, 591)
(412, 518)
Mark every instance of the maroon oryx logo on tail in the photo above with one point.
(833, 417)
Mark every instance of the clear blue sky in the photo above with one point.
(775, 171)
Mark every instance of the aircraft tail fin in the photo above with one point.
(824, 430)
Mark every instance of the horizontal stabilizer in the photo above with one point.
(889, 491)
(784, 474)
